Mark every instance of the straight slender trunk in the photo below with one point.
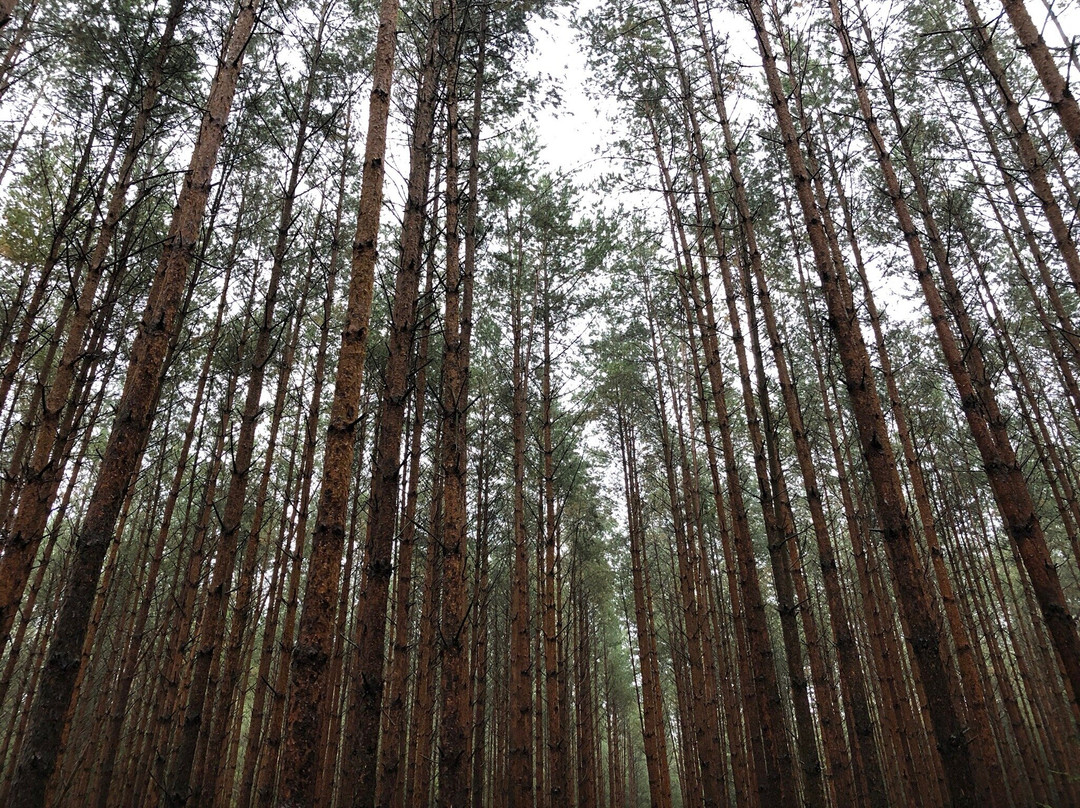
(453, 789)
(130, 430)
(520, 791)
(270, 753)
(587, 791)
(134, 647)
(392, 749)
(866, 765)
(478, 610)
(898, 537)
(1057, 88)
(275, 601)
(979, 403)
(187, 777)
(652, 702)
(775, 787)
(38, 492)
(231, 697)
(481, 770)
(1032, 162)
(421, 731)
(558, 786)
(363, 755)
(79, 188)
(302, 759)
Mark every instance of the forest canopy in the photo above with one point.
(364, 444)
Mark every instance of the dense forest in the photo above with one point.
(355, 450)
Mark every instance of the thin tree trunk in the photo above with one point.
(453, 788)
(520, 787)
(652, 701)
(480, 766)
(393, 742)
(131, 427)
(362, 756)
(897, 534)
(851, 679)
(134, 646)
(74, 201)
(979, 404)
(1030, 159)
(302, 760)
(1057, 89)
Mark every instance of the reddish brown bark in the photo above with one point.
(362, 756)
(43, 478)
(1032, 162)
(21, 541)
(1057, 88)
(897, 534)
(520, 787)
(392, 746)
(453, 791)
(979, 403)
(302, 759)
(131, 427)
(652, 701)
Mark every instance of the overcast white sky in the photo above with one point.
(573, 132)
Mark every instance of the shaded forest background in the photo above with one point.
(353, 453)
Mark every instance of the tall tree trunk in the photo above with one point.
(1057, 88)
(898, 537)
(585, 673)
(558, 789)
(477, 682)
(186, 774)
(453, 627)
(520, 792)
(386, 470)
(302, 759)
(130, 430)
(652, 702)
(1032, 162)
(245, 443)
(134, 646)
(980, 407)
(775, 787)
(39, 489)
(74, 201)
(480, 767)
(851, 678)
(392, 747)
(424, 699)
(275, 725)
